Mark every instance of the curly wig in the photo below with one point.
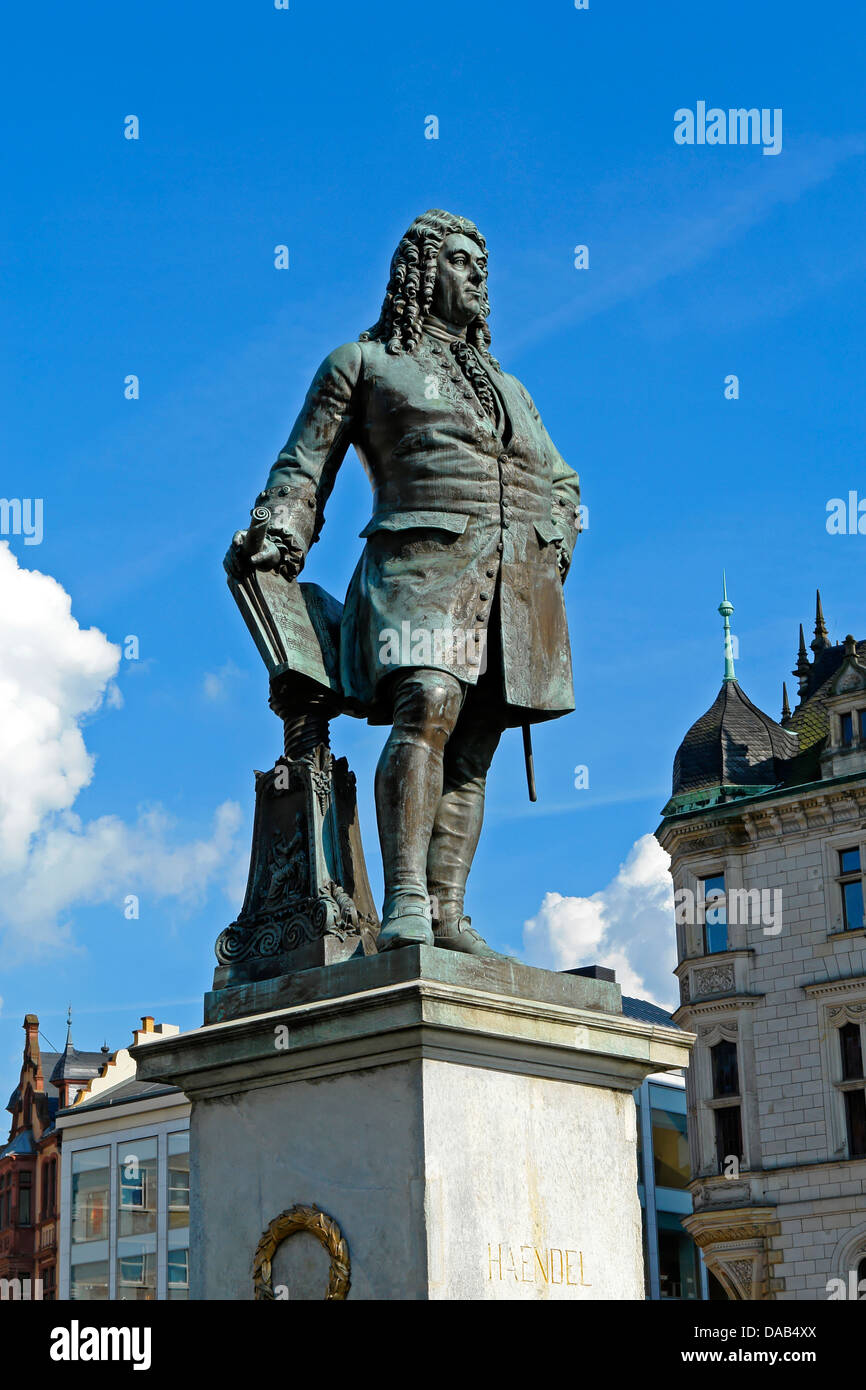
(413, 276)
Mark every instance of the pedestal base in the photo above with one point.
(467, 1124)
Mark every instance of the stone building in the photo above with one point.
(766, 829)
(30, 1163)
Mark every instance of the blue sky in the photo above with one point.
(156, 257)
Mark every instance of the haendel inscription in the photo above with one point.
(526, 1264)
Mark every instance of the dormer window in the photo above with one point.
(851, 888)
(861, 714)
(847, 730)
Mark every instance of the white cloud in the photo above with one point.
(52, 675)
(629, 926)
(216, 683)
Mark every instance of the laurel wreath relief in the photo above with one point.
(288, 1223)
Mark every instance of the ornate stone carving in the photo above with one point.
(740, 1273)
(717, 979)
(326, 1231)
(307, 880)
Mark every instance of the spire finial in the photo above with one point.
(821, 639)
(69, 1026)
(726, 608)
(786, 708)
(803, 667)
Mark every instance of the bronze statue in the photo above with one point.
(454, 625)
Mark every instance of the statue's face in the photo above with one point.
(459, 288)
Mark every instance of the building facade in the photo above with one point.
(673, 1267)
(124, 1227)
(30, 1163)
(766, 829)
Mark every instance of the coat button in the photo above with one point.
(499, 545)
(490, 573)
(484, 597)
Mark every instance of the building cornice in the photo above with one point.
(716, 1004)
(825, 989)
(784, 811)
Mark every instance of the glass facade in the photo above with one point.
(128, 1235)
(673, 1268)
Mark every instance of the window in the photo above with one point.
(729, 1135)
(725, 1103)
(178, 1179)
(726, 1072)
(136, 1187)
(852, 1052)
(178, 1273)
(715, 914)
(4, 1201)
(847, 730)
(861, 1281)
(678, 1260)
(853, 1088)
(49, 1287)
(89, 1279)
(90, 1185)
(136, 1218)
(851, 888)
(136, 1270)
(49, 1189)
(25, 1193)
(862, 714)
(670, 1148)
(178, 1215)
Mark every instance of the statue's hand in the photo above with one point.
(264, 547)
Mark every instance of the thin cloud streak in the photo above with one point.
(696, 234)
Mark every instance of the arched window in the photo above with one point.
(861, 1280)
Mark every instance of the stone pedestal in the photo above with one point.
(468, 1125)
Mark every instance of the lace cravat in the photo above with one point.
(475, 374)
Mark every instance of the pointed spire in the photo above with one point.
(726, 608)
(820, 641)
(802, 669)
(786, 708)
(69, 1044)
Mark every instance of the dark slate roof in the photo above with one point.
(645, 1012)
(733, 745)
(49, 1061)
(23, 1143)
(128, 1091)
(809, 720)
(77, 1066)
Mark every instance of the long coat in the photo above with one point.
(461, 505)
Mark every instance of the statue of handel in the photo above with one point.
(454, 624)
